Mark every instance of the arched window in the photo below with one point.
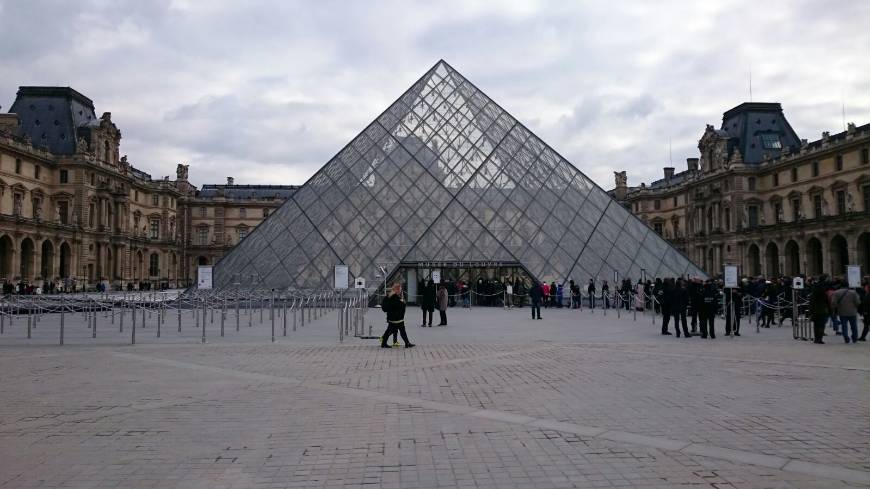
(154, 265)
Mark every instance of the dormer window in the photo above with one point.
(771, 141)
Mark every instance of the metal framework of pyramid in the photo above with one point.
(445, 174)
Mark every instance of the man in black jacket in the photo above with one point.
(394, 307)
(708, 309)
(679, 303)
(696, 298)
(536, 294)
(664, 297)
(733, 301)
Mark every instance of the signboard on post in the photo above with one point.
(203, 277)
(615, 277)
(341, 276)
(731, 277)
(797, 283)
(643, 275)
(436, 276)
(854, 274)
(359, 283)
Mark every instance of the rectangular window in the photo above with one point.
(771, 141)
(242, 233)
(91, 215)
(202, 235)
(155, 200)
(36, 171)
(675, 201)
(37, 208)
(865, 156)
(839, 162)
(753, 216)
(777, 212)
(155, 229)
(658, 227)
(841, 202)
(727, 219)
(243, 212)
(136, 198)
(751, 183)
(265, 212)
(154, 265)
(815, 168)
(93, 179)
(64, 176)
(794, 176)
(17, 165)
(817, 206)
(795, 209)
(203, 212)
(63, 212)
(776, 179)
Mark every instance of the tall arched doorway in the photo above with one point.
(6, 251)
(864, 253)
(46, 270)
(26, 269)
(771, 258)
(137, 271)
(65, 254)
(754, 258)
(814, 257)
(839, 256)
(792, 259)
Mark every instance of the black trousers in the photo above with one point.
(536, 308)
(680, 315)
(429, 311)
(866, 326)
(666, 318)
(443, 314)
(392, 328)
(819, 323)
(707, 327)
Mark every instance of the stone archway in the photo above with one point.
(839, 256)
(46, 270)
(815, 260)
(771, 258)
(7, 249)
(753, 256)
(864, 252)
(26, 268)
(65, 255)
(792, 258)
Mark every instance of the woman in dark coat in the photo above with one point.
(442, 305)
(819, 311)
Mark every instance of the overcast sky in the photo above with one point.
(268, 91)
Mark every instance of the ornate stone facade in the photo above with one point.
(76, 213)
(764, 200)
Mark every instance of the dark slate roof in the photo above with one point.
(246, 192)
(51, 116)
(835, 138)
(677, 179)
(746, 123)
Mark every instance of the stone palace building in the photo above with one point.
(762, 198)
(74, 212)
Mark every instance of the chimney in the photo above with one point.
(692, 164)
(230, 180)
(8, 122)
(669, 172)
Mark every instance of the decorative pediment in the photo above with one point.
(839, 184)
(815, 189)
(62, 196)
(37, 193)
(19, 188)
(794, 194)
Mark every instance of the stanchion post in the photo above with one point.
(62, 307)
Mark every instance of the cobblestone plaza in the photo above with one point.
(494, 400)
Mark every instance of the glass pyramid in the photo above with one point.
(445, 174)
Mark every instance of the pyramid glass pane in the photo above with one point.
(446, 175)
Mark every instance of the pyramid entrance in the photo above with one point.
(484, 279)
(446, 174)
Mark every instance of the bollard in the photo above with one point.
(237, 314)
(223, 315)
(29, 321)
(293, 310)
(178, 308)
(159, 323)
(271, 314)
(133, 328)
(203, 321)
(94, 320)
(61, 319)
(284, 317)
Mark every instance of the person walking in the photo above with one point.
(679, 304)
(590, 289)
(846, 304)
(639, 296)
(819, 312)
(393, 306)
(442, 304)
(536, 293)
(605, 294)
(696, 299)
(427, 301)
(665, 296)
(545, 294)
(865, 309)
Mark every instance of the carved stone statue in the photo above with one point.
(621, 178)
(850, 202)
(825, 212)
(780, 215)
(181, 171)
(81, 145)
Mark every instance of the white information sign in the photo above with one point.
(436, 276)
(731, 277)
(797, 283)
(341, 276)
(359, 283)
(203, 277)
(854, 273)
